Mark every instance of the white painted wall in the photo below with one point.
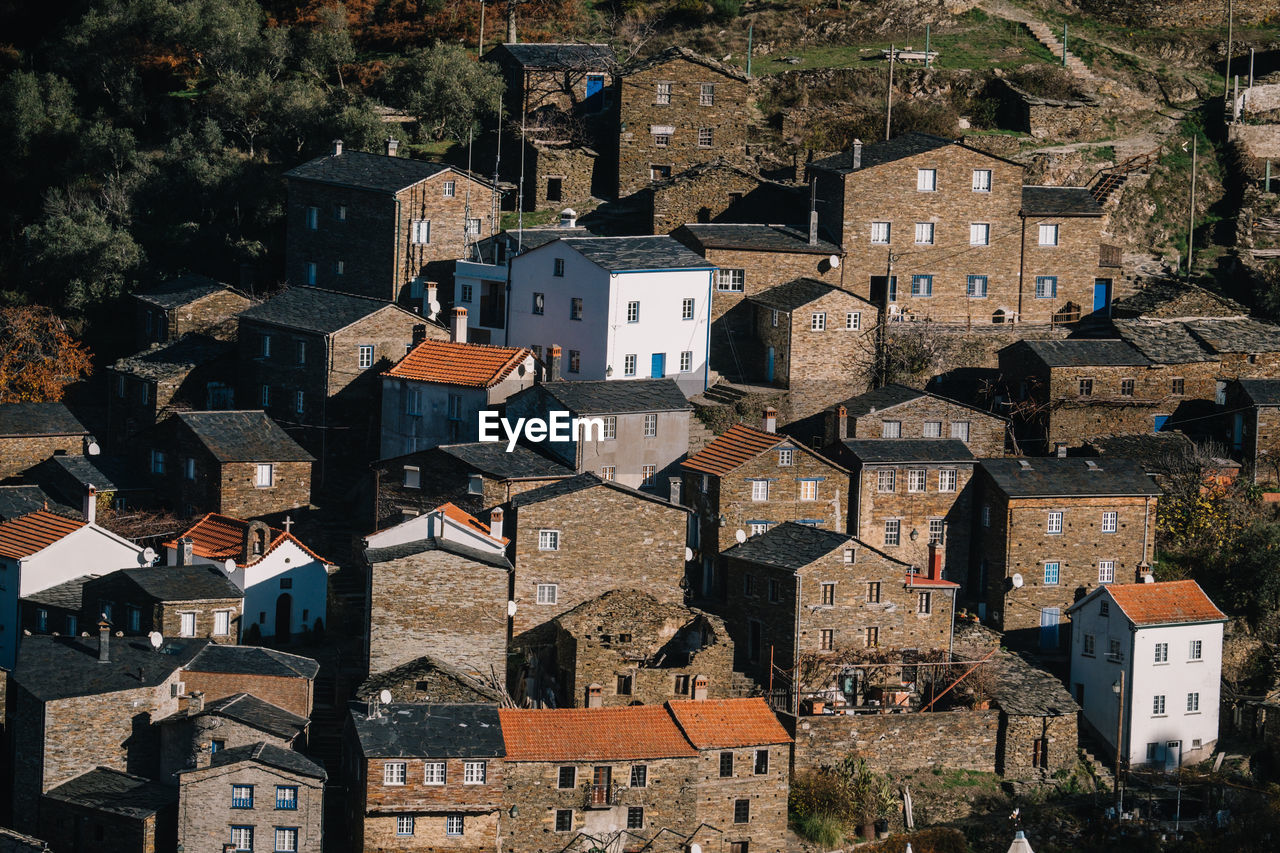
(434, 525)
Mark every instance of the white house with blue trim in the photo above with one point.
(618, 307)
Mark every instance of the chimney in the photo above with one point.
(935, 562)
(568, 218)
(813, 212)
(433, 291)
(1144, 574)
(553, 363)
(770, 419)
(104, 641)
(392, 145)
(90, 504)
(675, 490)
(855, 155)
(337, 147)
(186, 548)
(458, 328)
(842, 422)
(204, 754)
(595, 698)
(195, 702)
(700, 683)
(1060, 449)
(495, 522)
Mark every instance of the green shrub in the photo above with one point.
(822, 829)
(726, 10)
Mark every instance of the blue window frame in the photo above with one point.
(922, 285)
(1046, 287)
(1050, 574)
(977, 286)
(286, 797)
(241, 796)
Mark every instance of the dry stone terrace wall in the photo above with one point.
(962, 740)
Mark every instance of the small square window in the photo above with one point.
(880, 233)
(404, 824)
(241, 796)
(1126, 387)
(1106, 571)
(662, 93)
(548, 540)
(706, 94)
(366, 356)
(1048, 235)
(886, 480)
(1046, 287)
(433, 773)
(567, 778)
(704, 137)
(475, 773)
(786, 457)
(977, 287)
(1086, 387)
(982, 180)
(1109, 522)
(853, 321)
(609, 472)
(662, 140)
(979, 234)
(891, 429)
(818, 322)
(960, 430)
(393, 773)
(759, 490)
(449, 189)
(922, 286)
(924, 233)
(926, 180)
(420, 231)
(548, 593)
(808, 490)
(454, 825)
(564, 820)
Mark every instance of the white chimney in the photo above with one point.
(90, 504)
(856, 154)
(458, 329)
(392, 145)
(675, 490)
(770, 419)
(495, 523)
(432, 306)
(337, 147)
(568, 218)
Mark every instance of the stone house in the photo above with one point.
(253, 797)
(106, 809)
(178, 601)
(32, 432)
(435, 394)
(1048, 118)
(569, 78)
(643, 433)
(719, 191)
(748, 480)
(427, 679)
(285, 583)
(284, 680)
(627, 648)
(1176, 299)
(908, 495)
(1255, 426)
(191, 372)
(678, 109)
(117, 483)
(1049, 531)
(560, 171)
(815, 601)
(186, 305)
(189, 737)
(439, 585)
(427, 777)
(313, 358)
(896, 411)
(381, 226)
(234, 463)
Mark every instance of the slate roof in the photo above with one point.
(579, 482)
(881, 398)
(623, 254)
(1261, 392)
(182, 290)
(797, 293)
(252, 660)
(268, 754)
(680, 52)
(570, 57)
(1163, 343)
(20, 500)
(602, 397)
(32, 533)
(1236, 334)
(898, 148)
(1086, 353)
(492, 458)
(789, 546)
(732, 448)
(728, 723)
(593, 734)
(246, 436)
(176, 358)
(890, 450)
(68, 595)
(107, 790)
(532, 238)
(403, 730)
(466, 364)
(250, 710)
(313, 309)
(421, 667)
(221, 537)
(1160, 603)
(1148, 448)
(104, 473)
(1059, 202)
(54, 668)
(1023, 689)
(1070, 477)
(199, 582)
(1163, 296)
(24, 419)
(365, 171)
(420, 546)
(763, 238)
(1188, 341)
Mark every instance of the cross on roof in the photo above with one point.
(287, 523)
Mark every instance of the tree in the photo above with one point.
(447, 91)
(78, 252)
(38, 356)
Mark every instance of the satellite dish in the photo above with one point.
(92, 448)
(433, 307)
(148, 556)
(511, 609)
(740, 535)
(695, 848)
(688, 555)
(156, 638)
(229, 565)
(385, 697)
(1016, 580)
(834, 260)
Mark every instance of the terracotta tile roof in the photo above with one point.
(31, 533)
(221, 537)
(473, 365)
(731, 449)
(466, 520)
(918, 579)
(728, 723)
(1164, 603)
(592, 734)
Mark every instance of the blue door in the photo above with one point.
(768, 369)
(1102, 296)
(1049, 627)
(595, 82)
(659, 365)
(1159, 422)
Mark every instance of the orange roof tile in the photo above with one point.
(728, 723)
(1165, 603)
(32, 533)
(921, 579)
(474, 365)
(221, 537)
(466, 519)
(731, 449)
(592, 734)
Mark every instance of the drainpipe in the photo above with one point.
(1022, 264)
(795, 650)
(1146, 527)
(951, 638)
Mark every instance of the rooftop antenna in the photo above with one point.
(497, 159)
(466, 207)
(520, 192)
(888, 113)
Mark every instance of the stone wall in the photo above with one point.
(291, 693)
(184, 741)
(766, 828)
(69, 827)
(1265, 440)
(572, 166)
(205, 813)
(820, 366)
(719, 192)
(1174, 13)
(1074, 262)
(1018, 752)
(897, 743)
(19, 454)
(763, 270)
(986, 432)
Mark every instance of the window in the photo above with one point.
(808, 490)
(1086, 387)
(1106, 571)
(264, 346)
(449, 188)
(190, 468)
(640, 774)
(299, 401)
(339, 267)
(686, 361)
(265, 476)
(393, 773)
(366, 356)
(758, 527)
(1161, 653)
(979, 234)
(686, 309)
(474, 772)
(575, 361)
(881, 233)
(420, 231)
(924, 233)
(706, 94)
(266, 396)
(1088, 645)
(633, 312)
(762, 762)
(726, 765)
(853, 321)
(242, 837)
(629, 364)
(286, 798)
(947, 480)
(1104, 608)
(924, 602)
(1193, 703)
(1053, 524)
(548, 593)
(960, 430)
(982, 180)
(1179, 387)
(741, 811)
(564, 820)
(1048, 235)
(663, 94)
(300, 352)
(748, 584)
(916, 479)
(186, 624)
(1195, 652)
(650, 425)
(891, 429)
(454, 824)
(412, 400)
(404, 824)
(704, 137)
(662, 140)
(773, 318)
(818, 322)
(926, 180)
(609, 472)
(1050, 574)
(286, 839)
(922, 285)
(1126, 387)
(548, 540)
(977, 287)
(931, 429)
(1157, 705)
(135, 620)
(624, 685)
(1046, 286)
(872, 638)
(986, 515)
(892, 532)
(567, 778)
(313, 218)
(241, 796)
(731, 280)
(575, 308)
(886, 480)
(635, 817)
(873, 592)
(1108, 522)
(648, 475)
(935, 531)
(829, 594)
(611, 427)
(311, 273)
(759, 490)
(658, 172)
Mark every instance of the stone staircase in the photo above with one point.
(699, 435)
(1046, 36)
(1090, 748)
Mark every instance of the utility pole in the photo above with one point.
(1191, 216)
(750, 28)
(480, 50)
(926, 45)
(1226, 77)
(888, 113)
(1119, 740)
(882, 328)
(1064, 45)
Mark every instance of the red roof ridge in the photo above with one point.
(31, 533)
(466, 519)
(218, 545)
(458, 363)
(732, 448)
(1165, 602)
(592, 734)
(728, 723)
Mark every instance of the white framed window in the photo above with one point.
(931, 429)
(449, 188)
(786, 457)
(633, 312)
(853, 321)
(420, 231)
(922, 285)
(808, 490)
(629, 364)
(221, 623)
(1161, 653)
(1106, 571)
(393, 773)
(662, 140)
(758, 527)
(979, 234)
(976, 287)
(242, 837)
(264, 475)
(935, 531)
(412, 477)
(1193, 703)
(818, 322)
(881, 233)
(1051, 574)
(924, 233)
(773, 318)
(473, 227)
(365, 352)
(186, 624)
(313, 218)
(1109, 522)
(886, 480)
(686, 361)
(662, 93)
(474, 772)
(1195, 650)
(704, 137)
(404, 824)
(648, 475)
(891, 429)
(610, 431)
(982, 180)
(892, 532)
(731, 280)
(609, 472)
(548, 540)
(986, 515)
(650, 425)
(548, 593)
(686, 309)
(286, 839)
(1157, 705)
(926, 180)
(759, 490)
(916, 478)
(947, 480)
(1048, 235)
(1046, 286)
(960, 430)
(706, 94)
(1053, 523)
(924, 602)
(454, 824)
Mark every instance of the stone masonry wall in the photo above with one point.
(1017, 755)
(293, 694)
(962, 740)
(67, 826)
(205, 816)
(182, 740)
(19, 454)
(1074, 262)
(207, 315)
(763, 270)
(1266, 444)
(716, 194)
(573, 166)
(766, 827)
(986, 432)
(365, 242)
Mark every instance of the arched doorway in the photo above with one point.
(284, 617)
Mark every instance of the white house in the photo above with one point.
(1157, 647)
(445, 523)
(619, 307)
(43, 549)
(435, 393)
(285, 583)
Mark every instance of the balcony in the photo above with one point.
(1109, 256)
(483, 272)
(603, 796)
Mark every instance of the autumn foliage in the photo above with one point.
(38, 356)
